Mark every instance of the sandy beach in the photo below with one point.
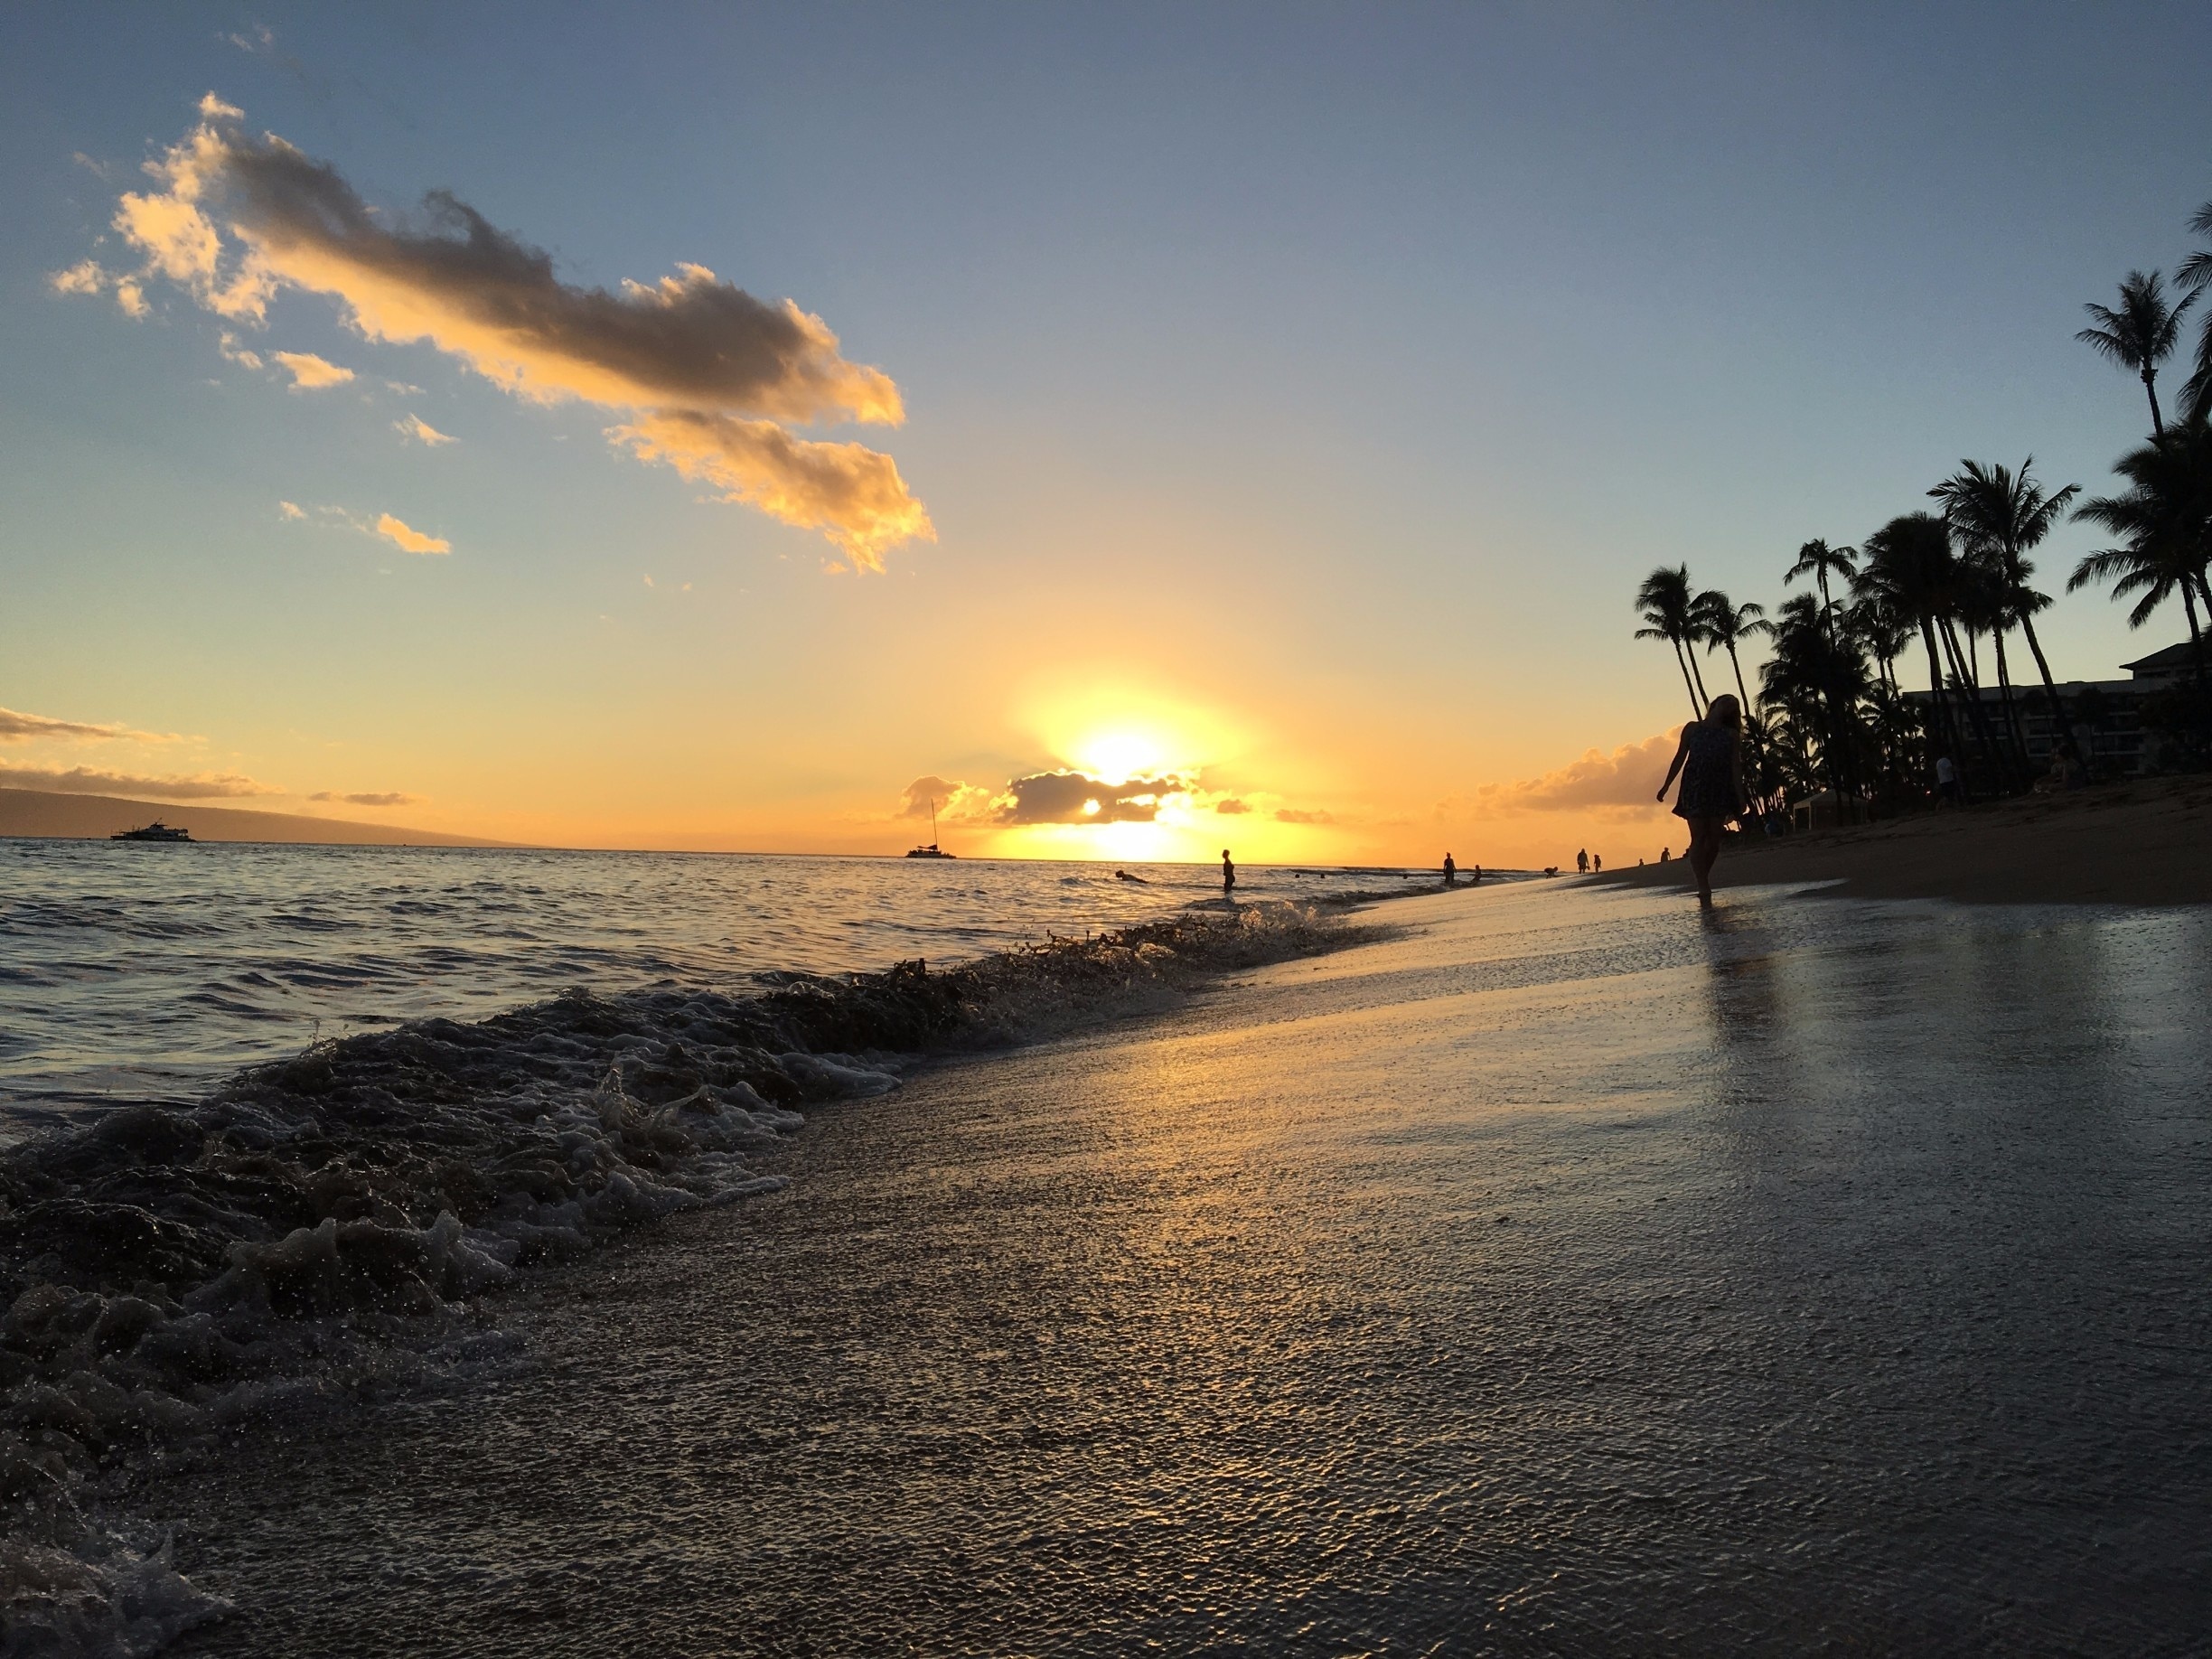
(2146, 842)
(1562, 1273)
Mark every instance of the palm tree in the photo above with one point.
(2195, 276)
(2000, 516)
(1908, 568)
(1717, 623)
(2140, 334)
(2165, 523)
(1664, 604)
(1819, 561)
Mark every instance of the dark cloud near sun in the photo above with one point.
(1072, 798)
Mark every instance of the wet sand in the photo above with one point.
(2134, 843)
(1566, 1275)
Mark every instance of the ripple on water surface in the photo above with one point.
(1574, 1279)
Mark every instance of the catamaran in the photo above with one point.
(932, 850)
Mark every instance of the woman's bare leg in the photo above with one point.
(1704, 847)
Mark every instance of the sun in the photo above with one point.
(1118, 753)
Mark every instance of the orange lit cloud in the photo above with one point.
(1620, 784)
(707, 368)
(85, 781)
(850, 493)
(310, 372)
(408, 539)
(19, 728)
(392, 798)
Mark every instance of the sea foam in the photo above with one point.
(318, 1231)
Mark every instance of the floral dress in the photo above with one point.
(1709, 774)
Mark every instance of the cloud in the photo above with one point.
(18, 728)
(1072, 798)
(85, 276)
(290, 511)
(708, 369)
(1295, 815)
(85, 781)
(414, 426)
(310, 372)
(1619, 784)
(409, 540)
(228, 345)
(390, 799)
(957, 802)
(852, 494)
(1230, 806)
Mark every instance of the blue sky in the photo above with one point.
(1330, 375)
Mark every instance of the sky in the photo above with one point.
(1139, 430)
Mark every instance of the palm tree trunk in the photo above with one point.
(1939, 729)
(1682, 661)
(2014, 742)
(1704, 697)
(2158, 426)
(1759, 748)
(2050, 689)
(1973, 709)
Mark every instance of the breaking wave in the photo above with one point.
(318, 1231)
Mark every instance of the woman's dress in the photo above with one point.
(1709, 774)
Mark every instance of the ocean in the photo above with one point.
(1538, 1268)
(132, 972)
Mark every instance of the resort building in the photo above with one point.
(2104, 716)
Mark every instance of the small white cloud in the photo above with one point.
(290, 511)
(310, 372)
(403, 389)
(408, 539)
(228, 345)
(414, 426)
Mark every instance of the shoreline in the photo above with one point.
(1164, 1317)
(2140, 842)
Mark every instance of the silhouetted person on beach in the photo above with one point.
(1451, 871)
(1710, 758)
(1582, 861)
(1596, 862)
(1228, 875)
(1947, 782)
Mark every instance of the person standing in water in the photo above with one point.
(1451, 871)
(1582, 861)
(1710, 758)
(1228, 875)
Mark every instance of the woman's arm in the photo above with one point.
(1681, 751)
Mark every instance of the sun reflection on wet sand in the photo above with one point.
(1563, 1275)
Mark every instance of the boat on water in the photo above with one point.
(154, 832)
(932, 850)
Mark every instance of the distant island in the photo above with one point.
(44, 812)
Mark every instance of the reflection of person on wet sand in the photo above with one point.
(1228, 875)
(1710, 758)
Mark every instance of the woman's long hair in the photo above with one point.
(1727, 711)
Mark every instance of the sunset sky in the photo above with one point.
(1265, 413)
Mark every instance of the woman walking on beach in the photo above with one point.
(1710, 759)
